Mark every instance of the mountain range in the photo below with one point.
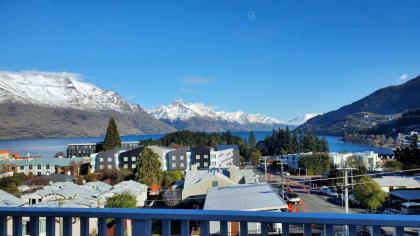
(377, 109)
(36, 104)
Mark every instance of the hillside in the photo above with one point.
(386, 102)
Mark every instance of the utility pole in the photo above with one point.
(265, 169)
(346, 191)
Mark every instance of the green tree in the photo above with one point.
(252, 140)
(148, 168)
(315, 164)
(123, 200)
(392, 165)
(112, 138)
(170, 177)
(369, 193)
(254, 156)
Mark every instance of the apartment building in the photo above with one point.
(42, 166)
(87, 149)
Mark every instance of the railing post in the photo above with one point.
(329, 230)
(102, 229)
(142, 227)
(166, 227)
(17, 226)
(3, 225)
(224, 231)
(67, 226)
(244, 228)
(399, 231)
(84, 226)
(185, 228)
(119, 227)
(204, 228)
(285, 229)
(50, 226)
(34, 226)
(264, 228)
(307, 230)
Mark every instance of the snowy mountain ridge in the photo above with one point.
(180, 110)
(62, 90)
(300, 120)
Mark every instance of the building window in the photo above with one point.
(39, 173)
(206, 164)
(47, 166)
(101, 159)
(125, 158)
(206, 156)
(133, 158)
(197, 157)
(133, 166)
(173, 165)
(173, 158)
(21, 167)
(39, 167)
(181, 158)
(110, 167)
(30, 167)
(101, 167)
(215, 184)
(181, 165)
(109, 159)
(56, 167)
(126, 166)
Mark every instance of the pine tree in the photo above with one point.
(252, 140)
(112, 138)
(148, 168)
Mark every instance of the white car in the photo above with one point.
(332, 194)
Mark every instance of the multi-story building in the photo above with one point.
(43, 166)
(105, 161)
(179, 159)
(200, 156)
(128, 159)
(87, 149)
(222, 158)
(236, 153)
(163, 155)
(369, 159)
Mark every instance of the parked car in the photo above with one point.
(390, 211)
(332, 193)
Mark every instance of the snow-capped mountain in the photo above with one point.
(45, 104)
(179, 110)
(64, 90)
(300, 120)
(197, 116)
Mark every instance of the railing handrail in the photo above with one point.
(219, 215)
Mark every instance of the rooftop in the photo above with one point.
(42, 161)
(395, 181)
(9, 200)
(408, 195)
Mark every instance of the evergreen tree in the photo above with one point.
(112, 138)
(252, 140)
(123, 200)
(148, 168)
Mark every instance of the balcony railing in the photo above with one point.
(141, 221)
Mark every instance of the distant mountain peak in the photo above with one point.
(60, 90)
(180, 110)
(300, 120)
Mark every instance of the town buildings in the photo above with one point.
(87, 149)
(370, 160)
(43, 166)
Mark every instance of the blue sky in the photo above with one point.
(279, 58)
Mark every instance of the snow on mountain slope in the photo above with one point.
(63, 90)
(181, 111)
(300, 120)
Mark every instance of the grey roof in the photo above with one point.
(99, 186)
(243, 197)
(221, 147)
(408, 195)
(8, 200)
(51, 178)
(195, 176)
(398, 181)
(43, 161)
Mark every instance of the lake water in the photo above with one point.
(49, 147)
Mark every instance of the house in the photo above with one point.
(163, 155)
(43, 166)
(390, 183)
(9, 200)
(197, 182)
(179, 159)
(397, 197)
(244, 197)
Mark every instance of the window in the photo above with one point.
(109, 159)
(173, 165)
(126, 166)
(39, 173)
(173, 158)
(197, 157)
(133, 166)
(181, 158)
(47, 166)
(30, 167)
(101, 167)
(109, 166)
(215, 184)
(56, 167)
(206, 156)
(21, 167)
(206, 164)
(133, 158)
(101, 159)
(125, 158)
(39, 166)
(181, 165)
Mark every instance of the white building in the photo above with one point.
(221, 158)
(370, 160)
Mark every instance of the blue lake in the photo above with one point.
(49, 147)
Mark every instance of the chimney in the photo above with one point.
(233, 174)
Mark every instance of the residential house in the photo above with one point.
(43, 166)
(390, 183)
(197, 182)
(244, 197)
